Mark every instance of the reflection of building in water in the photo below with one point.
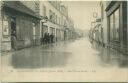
(114, 15)
(38, 58)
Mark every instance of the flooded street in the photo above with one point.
(75, 54)
(63, 41)
(69, 56)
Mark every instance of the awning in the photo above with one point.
(18, 6)
(96, 28)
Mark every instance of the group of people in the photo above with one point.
(47, 38)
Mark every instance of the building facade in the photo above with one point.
(20, 26)
(33, 5)
(57, 19)
(117, 25)
(114, 22)
(24, 23)
(104, 23)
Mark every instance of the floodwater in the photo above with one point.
(75, 54)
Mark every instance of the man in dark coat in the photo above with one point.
(45, 38)
(48, 38)
(51, 38)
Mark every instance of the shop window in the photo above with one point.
(114, 26)
(34, 29)
(117, 24)
(111, 27)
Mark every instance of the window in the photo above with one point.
(114, 26)
(59, 21)
(102, 11)
(56, 19)
(50, 14)
(117, 24)
(44, 10)
(111, 27)
(34, 29)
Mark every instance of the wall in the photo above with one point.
(121, 44)
(5, 32)
(25, 25)
(33, 5)
(104, 24)
(49, 23)
(127, 26)
(24, 30)
(0, 26)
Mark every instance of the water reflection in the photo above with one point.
(39, 58)
(69, 54)
(111, 57)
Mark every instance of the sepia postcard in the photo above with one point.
(63, 41)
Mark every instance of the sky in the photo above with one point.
(82, 12)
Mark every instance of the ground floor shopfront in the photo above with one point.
(60, 33)
(20, 26)
(117, 25)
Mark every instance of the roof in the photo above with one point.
(18, 6)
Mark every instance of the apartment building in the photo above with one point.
(55, 20)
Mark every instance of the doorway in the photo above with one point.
(13, 33)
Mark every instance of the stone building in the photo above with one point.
(33, 5)
(20, 26)
(115, 17)
(104, 23)
(55, 20)
(117, 25)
